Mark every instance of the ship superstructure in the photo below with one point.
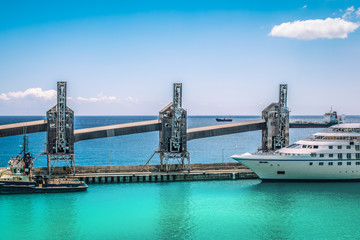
(333, 154)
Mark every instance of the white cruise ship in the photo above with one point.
(332, 155)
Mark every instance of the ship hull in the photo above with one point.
(301, 170)
(29, 187)
(224, 120)
(311, 125)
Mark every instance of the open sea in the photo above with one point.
(242, 209)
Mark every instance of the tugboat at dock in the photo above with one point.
(17, 178)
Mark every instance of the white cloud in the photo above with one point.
(4, 97)
(313, 29)
(31, 92)
(107, 99)
(348, 12)
(305, 6)
(100, 98)
(132, 100)
(357, 12)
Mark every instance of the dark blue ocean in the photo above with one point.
(137, 148)
(242, 209)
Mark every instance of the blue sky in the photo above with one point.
(121, 57)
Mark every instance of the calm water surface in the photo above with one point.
(244, 209)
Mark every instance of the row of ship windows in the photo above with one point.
(339, 155)
(331, 163)
(337, 138)
(331, 155)
(357, 147)
(357, 130)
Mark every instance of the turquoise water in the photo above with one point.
(242, 209)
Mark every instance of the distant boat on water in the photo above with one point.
(330, 118)
(229, 119)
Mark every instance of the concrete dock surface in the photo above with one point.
(137, 173)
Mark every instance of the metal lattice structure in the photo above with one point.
(172, 136)
(60, 133)
(26, 155)
(175, 141)
(282, 138)
(61, 118)
(276, 115)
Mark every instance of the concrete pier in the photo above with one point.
(131, 128)
(168, 177)
(133, 173)
(223, 129)
(22, 128)
(116, 130)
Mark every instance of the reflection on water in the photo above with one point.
(61, 218)
(244, 209)
(175, 220)
(338, 188)
(275, 220)
(49, 216)
(309, 209)
(18, 212)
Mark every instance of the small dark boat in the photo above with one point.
(16, 178)
(43, 186)
(229, 119)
